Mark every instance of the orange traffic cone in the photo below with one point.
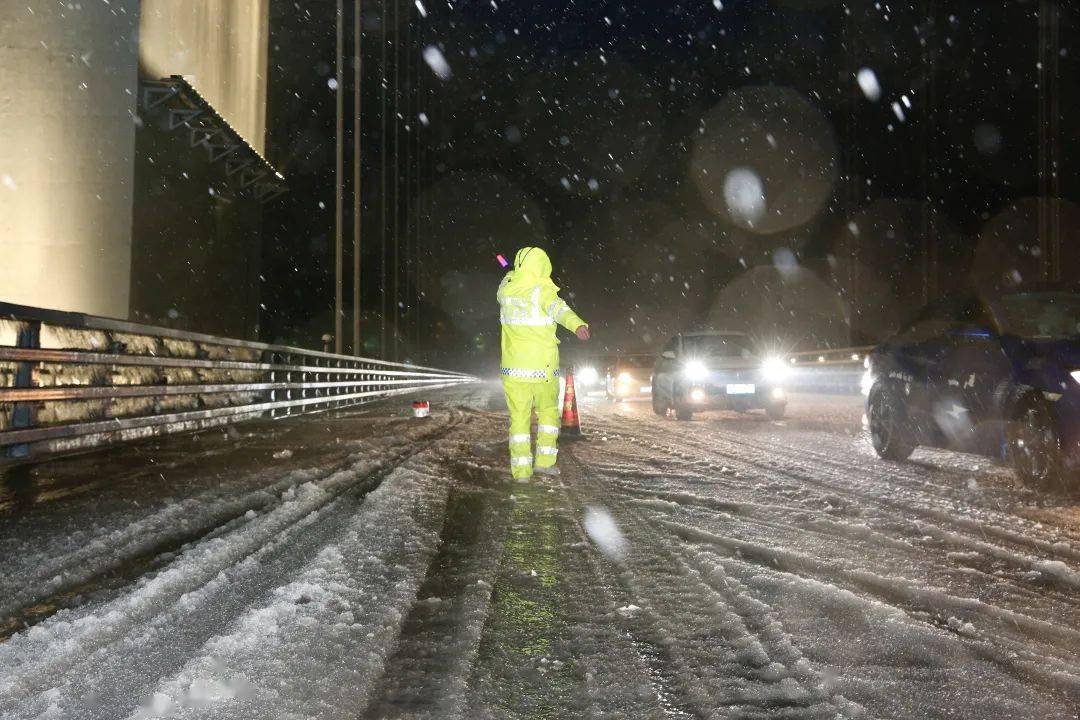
(571, 424)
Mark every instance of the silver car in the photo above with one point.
(717, 370)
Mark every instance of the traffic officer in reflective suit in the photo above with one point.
(530, 308)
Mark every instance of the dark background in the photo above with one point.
(591, 130)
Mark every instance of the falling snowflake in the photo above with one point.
(744, 194)
(435, 60)
(869, 84)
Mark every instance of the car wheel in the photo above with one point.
(684, 413)
(1034, 443)
(775, 411)
(659, 404)
(890, 431)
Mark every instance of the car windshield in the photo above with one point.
(720, 346)
(1040, 314)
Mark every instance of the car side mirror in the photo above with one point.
(668, 354)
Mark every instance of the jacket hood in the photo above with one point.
(532, 262)
(532, 267)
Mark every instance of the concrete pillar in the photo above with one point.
(68, 84)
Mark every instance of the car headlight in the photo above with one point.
(1075, 375)
(774, 370)
(695, 370)
(626, 378)
(588, 376)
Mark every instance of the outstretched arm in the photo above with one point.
(557, 309)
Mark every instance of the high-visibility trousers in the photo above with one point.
(521, 399)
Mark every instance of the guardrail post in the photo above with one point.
(337, 391)
(288, 381)
(305, 376)
(23, 414)
(274, 359)
(354, 378)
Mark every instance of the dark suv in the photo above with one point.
(704, 371)
(995, 374)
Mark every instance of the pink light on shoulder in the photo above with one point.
(502, 260)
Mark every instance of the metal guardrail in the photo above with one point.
(70, 381)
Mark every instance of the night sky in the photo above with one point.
(811, 171)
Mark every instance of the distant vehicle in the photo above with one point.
(590, 374)
(705, 371)
(996, 375)
(630, 378)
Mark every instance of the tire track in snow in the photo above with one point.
(186, 601)
(916, 599)
(795, 467)
(625, 659)
(895, 665)
(316, 646)
(1046, 634)
(121, 555)
(520, 668)
(888, 472)
(1045, 571)
(127, 552)
(427, 675)
(1048, 569)
(726, 669)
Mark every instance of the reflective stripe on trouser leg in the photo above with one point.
(547, 423)
(521, 455)
(519, 401)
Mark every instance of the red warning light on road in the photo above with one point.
(502, 260)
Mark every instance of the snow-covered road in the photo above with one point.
(368, 565)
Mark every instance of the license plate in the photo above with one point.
(646, 389)
(747, 389)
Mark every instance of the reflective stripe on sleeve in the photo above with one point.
(549, 429)
(557, 309)
(520, 438)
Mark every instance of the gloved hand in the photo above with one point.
(583, 332)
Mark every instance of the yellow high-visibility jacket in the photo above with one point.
(530, 307)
